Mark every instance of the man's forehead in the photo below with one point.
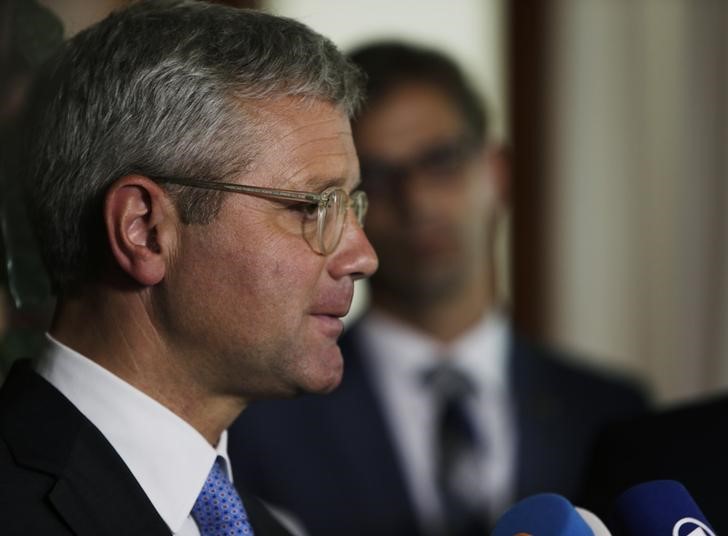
(318, 178)
(407, 120)
(305, 144)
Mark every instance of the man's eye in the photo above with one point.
(308, 210)
(441, 161)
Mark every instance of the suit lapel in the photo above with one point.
(98, 495)
(95, 493)
(366, 440)
(537, 410)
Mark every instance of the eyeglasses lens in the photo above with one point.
(332, 220)
(324, 230)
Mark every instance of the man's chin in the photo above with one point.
(321, 376)
(320, 385)
(327, 375)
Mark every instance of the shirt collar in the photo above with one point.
(403, 351)
(167, 456)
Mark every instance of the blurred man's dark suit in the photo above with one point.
(62, 477)
(687, 444)
(331, 460)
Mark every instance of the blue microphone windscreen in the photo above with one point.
(545, 514)
(660, 507)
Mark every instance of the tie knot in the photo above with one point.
(218, 470)
(448, 382)
(219, 510)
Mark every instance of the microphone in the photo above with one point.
(596, 524)
(545, 514)
(660, 507)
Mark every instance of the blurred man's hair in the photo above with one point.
(163, 88)
(390, 64)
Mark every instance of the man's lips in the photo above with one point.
(332, 326)
(335, 304)
(330, 314)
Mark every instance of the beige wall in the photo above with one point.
(638, 124)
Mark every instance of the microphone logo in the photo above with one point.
(689, 526)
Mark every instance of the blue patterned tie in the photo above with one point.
(219, 510)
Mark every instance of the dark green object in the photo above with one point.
(34, 33)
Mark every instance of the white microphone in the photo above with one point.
(596, 524)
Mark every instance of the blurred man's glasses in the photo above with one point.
(437, 164)
(323, 215)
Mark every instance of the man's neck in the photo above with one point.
(115, 330)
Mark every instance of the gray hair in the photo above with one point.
(167, 89)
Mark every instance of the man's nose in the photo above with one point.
(354, 256)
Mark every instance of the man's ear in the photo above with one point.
(141, 224)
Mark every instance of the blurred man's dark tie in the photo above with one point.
(456, 450)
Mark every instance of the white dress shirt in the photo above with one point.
(167, 456)
(397, 356)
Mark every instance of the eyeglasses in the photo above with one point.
(323, 215)
(437, 164)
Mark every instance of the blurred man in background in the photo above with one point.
(445, 415)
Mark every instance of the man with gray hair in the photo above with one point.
(190, 173)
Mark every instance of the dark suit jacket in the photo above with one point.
(331, 461)
(59, 475)
(688, 444)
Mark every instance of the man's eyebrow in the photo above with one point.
(317, 185)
